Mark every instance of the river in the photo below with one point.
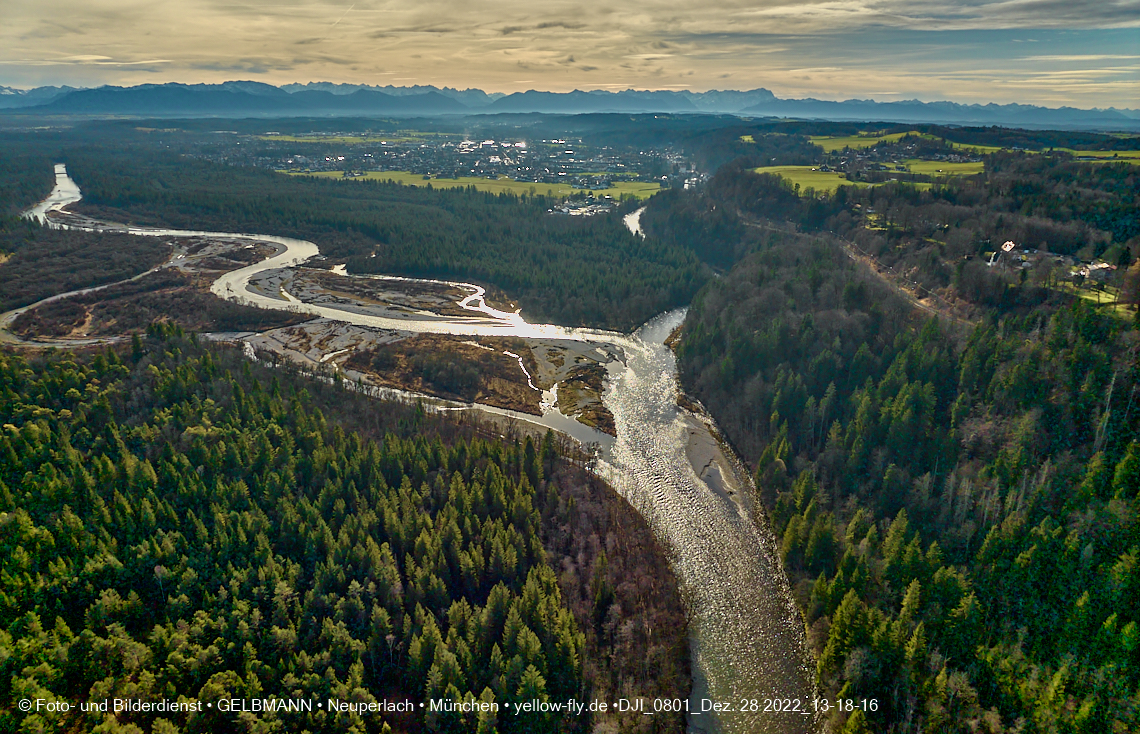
(747, 638)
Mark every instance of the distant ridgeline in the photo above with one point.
(247, 98)
(175, 523)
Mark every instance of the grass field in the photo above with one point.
(1107, 299)
(978, 149)
(1126, 156)
(1108, 156)
(832, 143)
(942, 168)
(821, 181)
(640, 189)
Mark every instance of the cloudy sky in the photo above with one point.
(1083, 53)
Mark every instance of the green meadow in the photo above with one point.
(943, 168)
(832, 143)
(1106, 156)
(823, 181)
(806, 177)
(639, 189)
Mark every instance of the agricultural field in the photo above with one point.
(831, 143)
(809, 177)
(943, 168)
(977, 149)
(639, 189)
(1106, 297)
(1107, 156)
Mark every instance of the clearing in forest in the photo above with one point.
(810, 177)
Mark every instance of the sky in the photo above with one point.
(1081, 53)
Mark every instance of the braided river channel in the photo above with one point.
(746, 636)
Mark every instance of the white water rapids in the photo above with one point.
(747, 637)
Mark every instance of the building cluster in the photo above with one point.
(879, 162)
(587, 207)
(1012, 256)
(546, 161)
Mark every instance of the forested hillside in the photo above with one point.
(176, 523)
(570, 270)
(957, 505)
(935, 237)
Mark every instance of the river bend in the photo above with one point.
(747, 637)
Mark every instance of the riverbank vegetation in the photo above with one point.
(37, 262)
(456, 368)
(27, 175)
(177, 522)
(166, 296)
(568, 270)
(44, 262)
(580, 396)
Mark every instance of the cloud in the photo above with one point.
(338, 20)
(248, 66)
(560, 24)
(1083, 57)
(544, 26)
(847, 47)
(87, 60)
(829, 16)
(1063, 13)
(426, 29)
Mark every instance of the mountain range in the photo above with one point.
(256, 99)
